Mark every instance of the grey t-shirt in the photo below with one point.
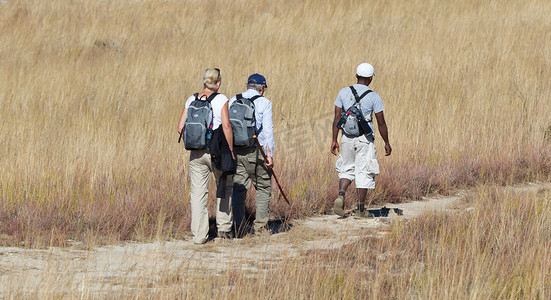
(369, 104)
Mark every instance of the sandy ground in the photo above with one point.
(116, 267)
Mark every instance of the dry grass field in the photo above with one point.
(491, 244)
(91, 92)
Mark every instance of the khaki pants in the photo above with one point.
(199, 172)
(247, 160)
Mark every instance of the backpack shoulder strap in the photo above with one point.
(255, 97)
(354, 93)
(240, 96)
(359, 98)
(364, 94)
(261, 126)
(211, 97)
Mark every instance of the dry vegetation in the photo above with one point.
(499, 248)
(91, 92)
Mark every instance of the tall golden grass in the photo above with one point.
(91, 92)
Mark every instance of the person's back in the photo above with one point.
(371, 103)
(198, 126)
(217, 104)
(264, 127)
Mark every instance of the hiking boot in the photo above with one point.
(363, 214)
(338, 206)
(224, 235)
(263, 231)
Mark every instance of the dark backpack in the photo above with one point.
(353, 121)
(242, 120)
(197, 130)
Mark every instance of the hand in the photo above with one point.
(233, 155)
(335, 148)
(269, 162)
(388, 149)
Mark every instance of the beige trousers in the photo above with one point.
(358, 161)
(199, 171)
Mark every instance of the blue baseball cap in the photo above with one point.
(257, 79)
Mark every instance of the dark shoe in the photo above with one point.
(363, 214)
(338, 206)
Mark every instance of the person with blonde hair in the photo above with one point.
(198, 134)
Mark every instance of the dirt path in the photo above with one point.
(119, 267)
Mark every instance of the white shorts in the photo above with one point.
(358, 161)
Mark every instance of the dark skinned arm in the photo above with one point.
(335, 148)
(383, 130)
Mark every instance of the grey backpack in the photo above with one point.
(197, 130)
(243, 121)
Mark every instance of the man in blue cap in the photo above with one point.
(252, 168)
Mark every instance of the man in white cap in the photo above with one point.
(354, 108)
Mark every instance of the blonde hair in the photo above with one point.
(211, 77)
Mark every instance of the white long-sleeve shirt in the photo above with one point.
(263, 115)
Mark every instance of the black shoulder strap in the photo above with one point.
(196, 95)
(211, 97)
(359, 98)
(240, 96)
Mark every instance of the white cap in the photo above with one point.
(365, 70)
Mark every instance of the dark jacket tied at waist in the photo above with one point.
(221, 159)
